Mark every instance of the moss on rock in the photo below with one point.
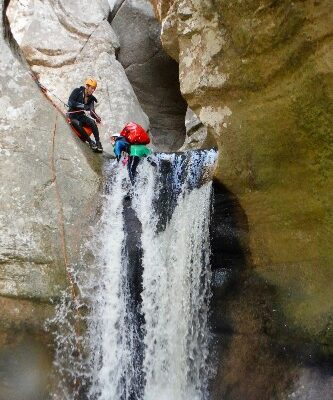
(264, 91)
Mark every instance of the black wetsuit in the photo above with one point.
(79, 118)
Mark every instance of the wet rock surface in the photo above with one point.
(257, 353)
(25, 355)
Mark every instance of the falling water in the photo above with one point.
(113, 329)
(176, 281)
(147, 333)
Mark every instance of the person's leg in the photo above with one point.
(77, 125)
(132, 166)
(92, 124)
(135, 165)
(129, 165)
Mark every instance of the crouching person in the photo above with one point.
(81, 100)
(132, 140)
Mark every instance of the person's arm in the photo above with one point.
(93, 113)
(96, 117)
(73, 100)
(117, 150)
(125, 146)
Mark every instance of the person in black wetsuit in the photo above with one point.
(81, 100)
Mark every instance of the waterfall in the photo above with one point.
(113, 330)
(147, 334)
(176, 278)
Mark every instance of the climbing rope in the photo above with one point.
(72, 284)
(45, 90)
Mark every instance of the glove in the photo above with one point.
(87, 107)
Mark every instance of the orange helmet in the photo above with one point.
(91, 82)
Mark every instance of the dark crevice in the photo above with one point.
(229, 231)
(153, 75)
(8, 35)
(115, 10)
(145, 62)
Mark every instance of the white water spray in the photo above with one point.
(157, 348)
(111, 330)
(176, 281)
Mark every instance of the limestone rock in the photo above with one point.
(49, 185)
(25, 357)
(49, 199)
(152, 73)
(196, 132)
(259, 76)
(64, 44)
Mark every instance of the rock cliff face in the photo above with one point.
(64, 44)
(259, 76)
(49, 186)
(40, 161)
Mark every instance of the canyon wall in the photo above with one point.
(259, 76)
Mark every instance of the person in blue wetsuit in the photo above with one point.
(134, 152)
(120, 145)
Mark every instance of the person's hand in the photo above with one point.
(87, 107)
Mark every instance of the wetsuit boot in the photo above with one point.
(99, 147)
(92, 145)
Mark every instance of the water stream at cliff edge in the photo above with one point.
(146, 334)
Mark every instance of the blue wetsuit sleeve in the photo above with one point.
(117, 149)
